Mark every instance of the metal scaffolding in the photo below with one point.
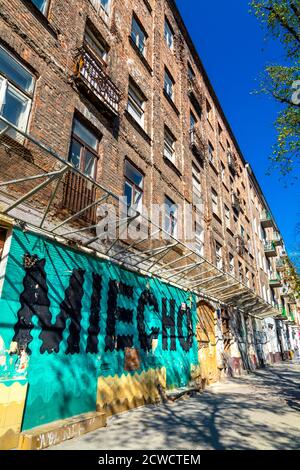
(36, 201)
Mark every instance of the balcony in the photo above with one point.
(197, 144)
(277, 239)
(275, 281)
(270, 249)
(231, 163)
(90, 75)
(280, 265)
(79, 193)
(266, 220)
(235, 202)
(196, 95)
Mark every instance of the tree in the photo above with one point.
(281, 18)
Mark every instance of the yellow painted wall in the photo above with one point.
(12, 402)
(118, 394)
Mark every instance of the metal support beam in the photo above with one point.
(33, 192)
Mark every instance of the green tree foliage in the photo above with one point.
(281, 18)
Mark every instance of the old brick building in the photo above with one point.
(117, 90)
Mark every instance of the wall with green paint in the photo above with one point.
(63, 385)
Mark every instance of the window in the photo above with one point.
(241, 272)
(193, 122)
(169, 36)
(227, 215)
(170, 225)
(220, 130)
(211, 152)
(196, 186)
(208, 112)
(191, 73)
(219, 260)
(242, 232)
(247, 277)
(215, 203)
(42, 5)
(84, 149)
(223, 171)
(97, 45)
(169, 145)
(169, 85)
(199, 238)
(138, 35)
(133, 186)
(16, 90)
(231, 263)
(105, 5)
(136, 104)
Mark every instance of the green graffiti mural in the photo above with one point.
(76, 314)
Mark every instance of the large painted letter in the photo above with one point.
(34, 301)
(168, 322)
(186, 343)
(115, 313)
(146, 298)
(94, 328)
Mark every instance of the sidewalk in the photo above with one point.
(257, 411)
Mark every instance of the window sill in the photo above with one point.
(140, 55)
(172, 166)
(171, 102)
(42, 18)
(137, 126)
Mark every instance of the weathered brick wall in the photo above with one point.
(49, 46)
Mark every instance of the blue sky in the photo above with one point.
(234, 50)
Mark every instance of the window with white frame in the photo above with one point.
(170, 217)
(16, 90)
(227, 215)
(138, 35)
(169, 35)
(197, 199)
(133, 186)
(215, 201)
(169, 145)
(199, 238)
(169, 85)
(219, 258)
(211, 152)
(241, 272)
(231, 263)
(136, 104)
(193, 121)
(42, 5)
(223, 172)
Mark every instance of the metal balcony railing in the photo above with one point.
(197, 143)
(266, 220)
(231, 162)
(275, 280)
(90, 71)
(235, 201)
(270, 249)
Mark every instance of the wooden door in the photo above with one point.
(207, 346)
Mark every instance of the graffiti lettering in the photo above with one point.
(35, 301)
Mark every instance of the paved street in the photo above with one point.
(257, 411)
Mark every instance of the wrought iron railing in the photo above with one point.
(91, 71)
(197, 142)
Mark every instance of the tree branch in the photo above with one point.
(284, 23)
